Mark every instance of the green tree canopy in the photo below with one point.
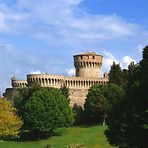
(100, 100)
(23, 95)
(46, 110)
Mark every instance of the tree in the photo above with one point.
(95, 105)
(46, 110)
(78, 114)
(100, 100)
(122, 124)
(65, 91)
(125, 74)
(128, 72)
(10, 123)
(23, 95)
(116, 74)
(131, 69)
(127, 123)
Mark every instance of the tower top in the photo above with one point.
(88, 53)
(88, 64)
(13, 78)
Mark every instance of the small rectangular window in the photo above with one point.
(93, 57)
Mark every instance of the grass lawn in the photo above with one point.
(92, 137)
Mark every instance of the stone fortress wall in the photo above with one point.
(87, 67)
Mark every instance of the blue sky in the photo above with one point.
(41, 36)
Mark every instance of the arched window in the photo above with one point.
(43, 81)
(39, 80)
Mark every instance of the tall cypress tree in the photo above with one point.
(116, 74)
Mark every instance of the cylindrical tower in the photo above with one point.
(18, 83)
(88, 64)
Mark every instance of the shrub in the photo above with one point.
(76, 146)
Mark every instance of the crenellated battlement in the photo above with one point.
(57, 81)
(45, 80)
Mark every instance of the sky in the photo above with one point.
(41, 36)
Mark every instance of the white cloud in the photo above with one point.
(3, 25)
(126, 60)
(70, 72)
(108, 60)
(63, 20)
(141, 46)
(35, 72)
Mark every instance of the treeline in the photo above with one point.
(128, 120)
(39, 112)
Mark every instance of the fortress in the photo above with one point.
(87, 67)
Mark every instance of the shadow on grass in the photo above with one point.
(27, 136)
(88, 125)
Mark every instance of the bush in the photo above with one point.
(76, 146)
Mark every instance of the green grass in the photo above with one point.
(92, 137)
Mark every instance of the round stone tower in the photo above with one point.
(88, 64)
